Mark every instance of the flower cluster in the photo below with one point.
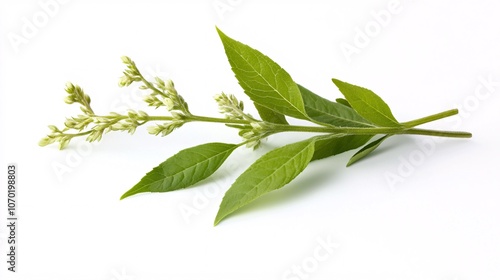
(102, 124)
(170, 97)
(74, 126)
(231, 107)
(254, 134)
(128, 123)
(77, 95)
(56, 135)
(165, 128)
(158, 93)
(162, 93)
(131, 74)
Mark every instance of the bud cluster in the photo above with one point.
(131, 74)
(160, 93)
(231, 107)
(76, 95)
(164, 94)
(102, 124)
(165, 128)
(172, 100)
(254, 134)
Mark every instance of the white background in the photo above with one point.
(439, 221)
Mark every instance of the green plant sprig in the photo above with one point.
(339, 126)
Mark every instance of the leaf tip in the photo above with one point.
(219, 218)
(124, 196)
(352, 161)
(128, 193)
(221, 34)
(336, 81)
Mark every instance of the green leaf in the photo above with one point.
(331, 145)
(367, 104)
(343, 102)
(263, 80)
(269, 115)
(328, 112)
(184, 169)
(366, 150)
(270, 172)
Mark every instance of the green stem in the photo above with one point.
(190, 118)
(439, 133)
(430, 118)
(215, 120)
(372, 131)
(157, 118)
(406, 129)
(78, 134)
(276, 128)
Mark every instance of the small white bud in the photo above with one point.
(219, 97)
(248, 135)
(169, 86)
(142, 114)
(169, 103)
(167, 130)
(70, 88)
(125, 81)
(256, 126)
(160, 82)
(132, 114)
(132, 129)
(148, 99)
(69, 99)
(63, 143)
(126, 59)
(46, 141)
(70, 123)
(177, 115)
(119, 126)
(101, 120)
(155, 130)
(53, 128)
(95, 135)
